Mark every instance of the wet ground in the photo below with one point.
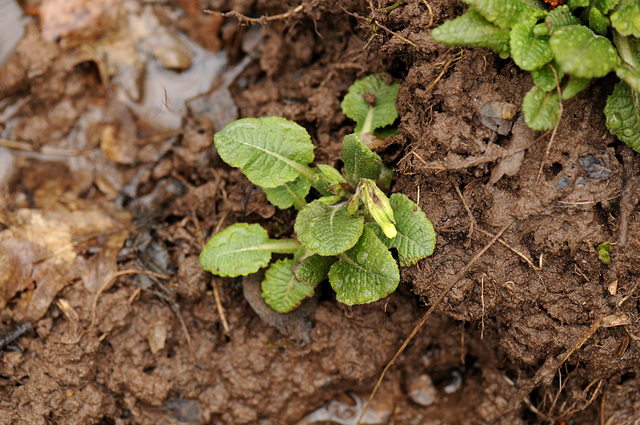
(107, 115)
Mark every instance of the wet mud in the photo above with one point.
(107, 168)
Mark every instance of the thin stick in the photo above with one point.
(260, 20)
(456, 58)
(628, 198)
(214, 284)
(515, 251)
(424, 318)
(396, 34)
(431, 14)
(472, 219)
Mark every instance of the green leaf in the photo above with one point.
(574, 86)
(371, 103)
(582, 53)
(365, 273)
(328, 229)
(629, 75)
(416, 238)
(598, 22)
(507, 13)
(270, 151)
(242, 249)
(529, 51)
(314, 269)
(281, 290)
(359, 161)
(605, 6)
(574, 4)
(329, 181)
(604, 250)
(473, 30)
(541, 109)
(544, 77)
(560, 17)
(623, 115)
(626, 19)
(289, 194)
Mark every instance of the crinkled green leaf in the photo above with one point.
(359, 161)
(371, 103)
(574, 4)
(270, 151)
(507, 13)
(289, 194)
(473, 30)
(626, 19)
(241, 249)
(598, 22)
(629, 75)
(574, 86)
(314, 269)
(544, 77)
(623, 115)
(416, 238)
(582, 53)
(529, 51)
(365, 273)
(541, 109)
(560, 17)
(605, 6)
(280, 288)
(328, 229)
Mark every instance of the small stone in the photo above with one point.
(421, 390)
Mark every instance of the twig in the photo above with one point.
(628, 198)
(472, 219)
(395, 34)
(431, 14)
(261, 20)
(424, 318)
(515, 251)
(214, 284)
(545, 372)
(456, 58)
(45, 150)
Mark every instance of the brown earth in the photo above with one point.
(538, 330)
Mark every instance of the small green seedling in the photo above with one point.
(564, 48)
(343, 235)
(604, 252)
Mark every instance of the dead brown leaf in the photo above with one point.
(51, 244)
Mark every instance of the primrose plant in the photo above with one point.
(346, 233)
(564, 48)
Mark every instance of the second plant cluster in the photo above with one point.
(564, 48)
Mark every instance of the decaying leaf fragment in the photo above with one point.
(49, 243)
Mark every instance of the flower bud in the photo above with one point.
(379, 207)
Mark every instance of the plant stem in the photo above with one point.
(366, 127)
(283, 246)
(298, 202)
(624, 50)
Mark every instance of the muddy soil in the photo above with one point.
(107, 168)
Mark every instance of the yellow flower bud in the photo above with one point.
(379, 207)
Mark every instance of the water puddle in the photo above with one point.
(12, 27)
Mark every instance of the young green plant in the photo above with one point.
(346, 233)
(564, 49)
